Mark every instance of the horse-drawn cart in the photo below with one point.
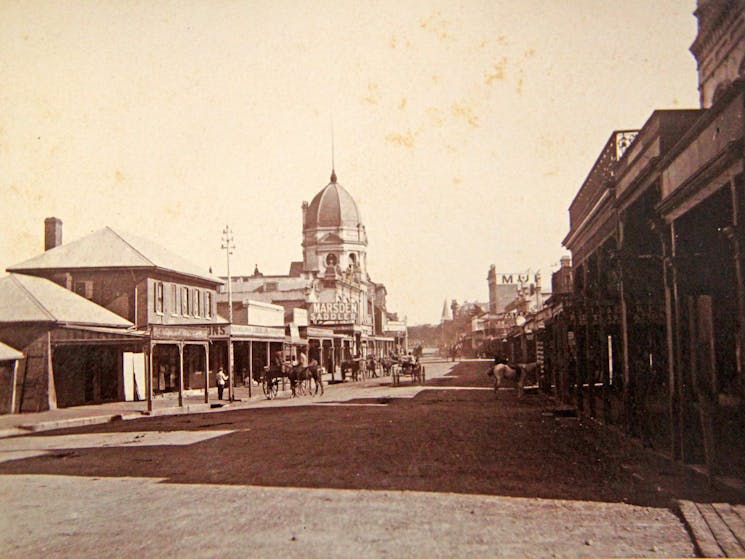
(414, 369)
(303, 380)
(271, 378)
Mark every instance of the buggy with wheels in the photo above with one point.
(271, 379)
(411, 367)
(304, 381)
(274, 374)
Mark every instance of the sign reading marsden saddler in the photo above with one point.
(333, 312)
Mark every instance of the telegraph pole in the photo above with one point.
(228, 246)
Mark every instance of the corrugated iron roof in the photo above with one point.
(260, 284)
(33, 299)
(107, 248)
(7, 353)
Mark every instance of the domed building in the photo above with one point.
(333, 234)
(341, 294)
(346, 310)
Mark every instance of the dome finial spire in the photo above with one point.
(333, 167)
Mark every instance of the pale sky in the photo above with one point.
(462, 129)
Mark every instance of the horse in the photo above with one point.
(351, 366)
(501, 371)
(315, 374)
(296, 376)
(371, 366)
(387, 363)
(301, 378)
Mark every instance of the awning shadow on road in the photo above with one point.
(457, 441)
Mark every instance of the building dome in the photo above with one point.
(332, 207)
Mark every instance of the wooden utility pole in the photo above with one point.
(229, 245)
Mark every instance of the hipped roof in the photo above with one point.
(32, 299)
(107, 248)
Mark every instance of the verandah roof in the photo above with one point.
(28, 299)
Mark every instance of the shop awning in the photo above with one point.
(7, 353)
(81, 334)
(292, 340)
(317, 333)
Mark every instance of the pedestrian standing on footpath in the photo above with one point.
(221, 380)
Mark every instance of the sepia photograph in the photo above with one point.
(388, 279)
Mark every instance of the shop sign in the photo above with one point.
(512, 278)
(319, 332)
(334, 313)
(219, 330)
(181, 332)
(248, 331)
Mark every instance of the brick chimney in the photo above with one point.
(52, 232)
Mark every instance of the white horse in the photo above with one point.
(518, 373)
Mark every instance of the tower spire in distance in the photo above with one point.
(445, 315)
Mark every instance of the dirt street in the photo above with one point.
(451, 471)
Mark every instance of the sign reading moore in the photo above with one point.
(333, 312)
(511, 279)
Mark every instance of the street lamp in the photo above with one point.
(228, 245)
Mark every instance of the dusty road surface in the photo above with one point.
(369, 470)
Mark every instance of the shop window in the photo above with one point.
(197, 303)
(184, 301)
(207, 304)
(159, 297)
(174, 300)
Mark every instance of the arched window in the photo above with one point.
(331, 260)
